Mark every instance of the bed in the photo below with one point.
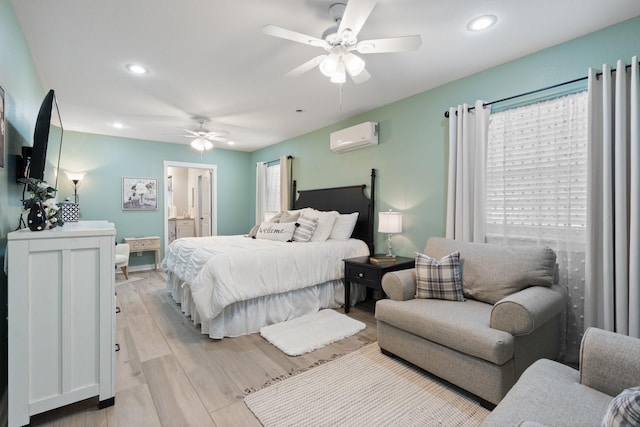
(234, 285)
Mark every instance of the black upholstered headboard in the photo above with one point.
(344, 200)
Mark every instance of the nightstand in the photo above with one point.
(359, 270)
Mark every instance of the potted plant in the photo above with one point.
(40, 204)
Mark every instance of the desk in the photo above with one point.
(359, 270)
(145, 244)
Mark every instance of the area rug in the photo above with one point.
(307, 333)
(364, 388)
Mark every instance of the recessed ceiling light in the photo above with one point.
(231, 143)
(118, 125)
(136, 69)
(482, 23)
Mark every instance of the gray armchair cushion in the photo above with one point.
(548, 393)
(492, 272)
(462, 326)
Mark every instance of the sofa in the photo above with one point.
(509, 316)
(552, 394)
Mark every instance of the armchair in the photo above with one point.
(484, 343)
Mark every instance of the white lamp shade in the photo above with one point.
(389, 222)
(354, 64)
(201, 144)
(329, 64)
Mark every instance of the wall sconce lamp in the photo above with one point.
(391, 223)
(75, 177)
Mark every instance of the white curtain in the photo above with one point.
(261, 188)
(285, 183)
(612, 288)
(467, 161)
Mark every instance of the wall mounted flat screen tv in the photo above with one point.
(42, 161)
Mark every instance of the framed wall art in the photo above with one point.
(139, 194)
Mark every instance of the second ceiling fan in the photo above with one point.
(341, 41)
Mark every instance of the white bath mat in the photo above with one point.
(307, 333)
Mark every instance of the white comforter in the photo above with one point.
(222, 270)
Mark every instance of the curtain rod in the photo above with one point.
(446, 113)
(269, 162)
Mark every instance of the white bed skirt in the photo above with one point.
(247, 317)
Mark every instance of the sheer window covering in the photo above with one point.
(536, 191)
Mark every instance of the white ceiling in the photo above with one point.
(210, 58)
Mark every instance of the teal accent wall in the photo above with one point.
(23, 95)
(412, 155)
(106, 160)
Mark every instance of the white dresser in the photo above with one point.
(61, 317)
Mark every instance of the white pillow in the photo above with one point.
(325, 223)
(344, 225)
(282, 231)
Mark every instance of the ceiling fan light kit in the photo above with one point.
(203, 137)
(201, 144)
(339, 41)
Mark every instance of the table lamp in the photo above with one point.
(390, 223)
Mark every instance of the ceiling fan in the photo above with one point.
(203, 137)
(341, 40)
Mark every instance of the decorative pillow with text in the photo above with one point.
(282, 232)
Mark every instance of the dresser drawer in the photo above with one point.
(363, 275)
(184, 223)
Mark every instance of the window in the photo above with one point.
(272, 189)
(536, 191)
(536, 178)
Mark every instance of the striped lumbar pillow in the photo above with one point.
(305, 229)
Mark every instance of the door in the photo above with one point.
(204, 203)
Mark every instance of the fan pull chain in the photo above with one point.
(340, 92)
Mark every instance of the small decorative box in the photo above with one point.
(70, 212)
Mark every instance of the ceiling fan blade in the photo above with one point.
(355, 15)
(391, 44)
(217, 138)
(295, 36)
(306, 66)
(362, 77)
(216, 133)
(191, 133)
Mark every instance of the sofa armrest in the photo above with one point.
(609, 361)
(524, 311)
(400, 285)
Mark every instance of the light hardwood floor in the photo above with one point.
(169, 374)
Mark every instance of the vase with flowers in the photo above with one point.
(40, 205)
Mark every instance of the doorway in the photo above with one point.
(190, 202)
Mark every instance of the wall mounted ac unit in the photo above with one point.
(354, 137)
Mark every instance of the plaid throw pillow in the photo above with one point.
(624, 409)
(439, 279)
